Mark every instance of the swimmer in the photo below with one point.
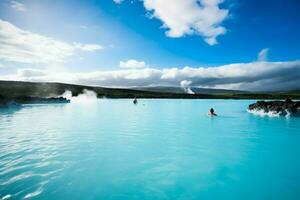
(212, 112)
(135, 101)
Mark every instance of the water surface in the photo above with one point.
(158, 149)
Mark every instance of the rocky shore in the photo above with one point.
(282, 108)
(5, 101)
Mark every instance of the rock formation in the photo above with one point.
(4, 101)
(277, 107)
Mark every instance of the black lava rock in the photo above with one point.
(277, 107)
(4, 101)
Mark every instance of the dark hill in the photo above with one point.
(196, 90)
(13, 89)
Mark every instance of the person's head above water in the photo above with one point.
(212, 112)
(135, 100)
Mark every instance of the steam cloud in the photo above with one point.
(185, 85)
(85, 96)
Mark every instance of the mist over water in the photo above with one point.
(157, 149)
(87, 96)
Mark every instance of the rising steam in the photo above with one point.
(85, 96)
(185, 84)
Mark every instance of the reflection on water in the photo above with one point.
(159, 149)
(7, 111)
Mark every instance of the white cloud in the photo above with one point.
(245, 76)
(23, 46)
(88, 47)
(17, 6)
(189, 17)
(263, 55)
(132, 64)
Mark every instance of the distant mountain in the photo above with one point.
(196, 90)
(19, 89)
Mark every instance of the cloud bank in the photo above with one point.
(23, 46)
(258, 75)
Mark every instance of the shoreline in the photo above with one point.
(16, 89)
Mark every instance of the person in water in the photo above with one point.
(212, 112)
(135, 101)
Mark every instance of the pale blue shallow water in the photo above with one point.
(159, 149)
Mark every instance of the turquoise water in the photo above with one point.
(158, 149)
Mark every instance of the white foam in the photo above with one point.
(33, 194)
(262, 113)
(6, 197)
(288, 114)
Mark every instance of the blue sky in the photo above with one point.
(206, 43)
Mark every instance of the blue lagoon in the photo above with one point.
(157, 149)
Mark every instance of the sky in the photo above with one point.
(230, 44)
